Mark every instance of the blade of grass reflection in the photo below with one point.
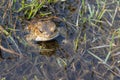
(95, 56)
(11, 38)
(110, 68)
(62, 62)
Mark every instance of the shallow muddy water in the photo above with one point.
(60, 58)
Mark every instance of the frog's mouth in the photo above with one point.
(48, 38)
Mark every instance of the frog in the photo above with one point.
(41, 30)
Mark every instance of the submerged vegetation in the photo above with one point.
(91, 46)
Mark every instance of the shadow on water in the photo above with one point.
(48, 48)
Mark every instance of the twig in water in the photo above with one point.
(9, 51)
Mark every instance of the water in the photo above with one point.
(57, 59)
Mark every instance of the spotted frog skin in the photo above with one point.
(42, 30)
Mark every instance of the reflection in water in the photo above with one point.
(1, 57)
(48, 48)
